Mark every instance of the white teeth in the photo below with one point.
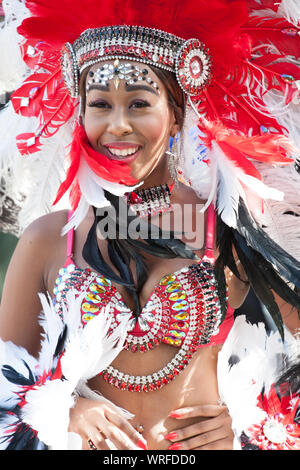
(123, 152)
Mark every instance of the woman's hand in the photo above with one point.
(95, 422)
(213, 433)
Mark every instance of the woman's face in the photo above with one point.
(131, 123)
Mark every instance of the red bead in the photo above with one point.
(164, 381)
(158, 384)
(142, 348)
(105, 376)
(137, 388)
(123, 386)
(151, 387)
(130, 388)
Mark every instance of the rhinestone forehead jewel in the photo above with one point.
(118, 71)
(189, 60)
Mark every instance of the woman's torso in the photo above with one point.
(195, 385)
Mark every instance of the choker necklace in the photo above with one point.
(151, 201)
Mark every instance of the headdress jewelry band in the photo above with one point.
(189, 60)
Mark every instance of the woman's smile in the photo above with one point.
(123, 151)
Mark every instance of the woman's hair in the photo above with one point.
(176, 98)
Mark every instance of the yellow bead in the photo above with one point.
(95, 298)
(89, 308)
(96, 288)
(174, 287)
(103, 281)
(181, 305)
(181, 316)
(167, 279)
(87, 317)
(180, 295)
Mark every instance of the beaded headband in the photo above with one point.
(189, 60)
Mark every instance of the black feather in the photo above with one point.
(258, 282)
(15, 377)
(125, 248)
(61, 342)
(284, 263)
(25, 438)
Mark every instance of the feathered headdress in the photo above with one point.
(252, 46)
(237, 62)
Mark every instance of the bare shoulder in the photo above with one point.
(46, 228)
(25, 280)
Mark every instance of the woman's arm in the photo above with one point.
(20, 304)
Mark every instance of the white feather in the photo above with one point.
(16, 357)
(249, 360)
(89, 350)
(13, 70)
(290, 9)
(77, 217)
(52, 329)
(43, 172)
(47, 411)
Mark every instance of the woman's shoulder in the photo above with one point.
(42, 238)
(46, 227)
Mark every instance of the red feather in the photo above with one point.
(226, 27)
(116, 172)
(24, 145)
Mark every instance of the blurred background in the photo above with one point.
(8, 241)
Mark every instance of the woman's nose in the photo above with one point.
(119, 123)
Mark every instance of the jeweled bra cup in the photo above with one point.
(182, 311)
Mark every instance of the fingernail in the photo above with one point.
(175, 446)
(142, 444)
(175, 414)
(171, 436)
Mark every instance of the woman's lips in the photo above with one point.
(121, 147)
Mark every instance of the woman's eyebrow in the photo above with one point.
(140, 87)
(97, 86)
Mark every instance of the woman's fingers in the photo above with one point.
(208, 411)
(215, 437)
(105, 426)
(122, 424)
(214, 432)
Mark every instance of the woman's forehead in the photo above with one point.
(130, 73)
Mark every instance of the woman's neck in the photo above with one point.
(158, 176)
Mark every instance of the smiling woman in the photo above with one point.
(125, 353)
(124, 115)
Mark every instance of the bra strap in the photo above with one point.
(210, 232)
(70, 241)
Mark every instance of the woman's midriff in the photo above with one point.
(196, 385)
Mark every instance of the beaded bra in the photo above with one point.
(182, 311)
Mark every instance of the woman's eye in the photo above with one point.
(139, 104)
(98, 104)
